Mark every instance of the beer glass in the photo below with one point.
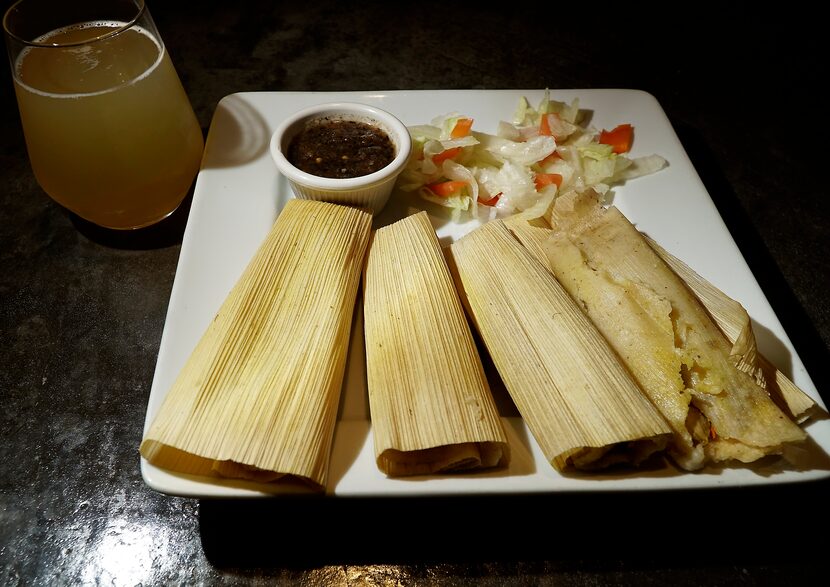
(110, 132)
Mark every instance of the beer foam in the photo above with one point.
(83, 47)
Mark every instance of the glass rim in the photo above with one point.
(107, 35)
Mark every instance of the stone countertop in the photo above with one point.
(82, 311)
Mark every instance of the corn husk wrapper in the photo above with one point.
(730, 316)
(257, 399)
(579, 402)
(665, 336)
(431, 406)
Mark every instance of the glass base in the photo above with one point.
(164, 233)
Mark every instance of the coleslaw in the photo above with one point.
(541, 153)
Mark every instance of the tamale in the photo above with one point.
(734, 322)
(579, 402)
(430, 403)
(665, 336)
(730, 316)
(258, 396)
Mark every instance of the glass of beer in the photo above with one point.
(109, 129)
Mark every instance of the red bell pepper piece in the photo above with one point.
(445, 189)
(545, 179)
(462, 128)
(620, 138)
(490, 202)
(445, 154)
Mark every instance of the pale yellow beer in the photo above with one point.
(110, 131)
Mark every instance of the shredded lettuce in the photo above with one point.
(500, 169)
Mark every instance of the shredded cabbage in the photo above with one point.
(500, 170)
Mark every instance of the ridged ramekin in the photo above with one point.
(370, 191)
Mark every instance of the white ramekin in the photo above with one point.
(370, 191)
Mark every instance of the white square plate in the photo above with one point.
(238, 195)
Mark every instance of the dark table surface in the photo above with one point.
(82, 311)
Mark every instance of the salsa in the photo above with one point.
(340, 148)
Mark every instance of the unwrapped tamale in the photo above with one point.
(664, 335)
(729, 314)
(734, 322)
